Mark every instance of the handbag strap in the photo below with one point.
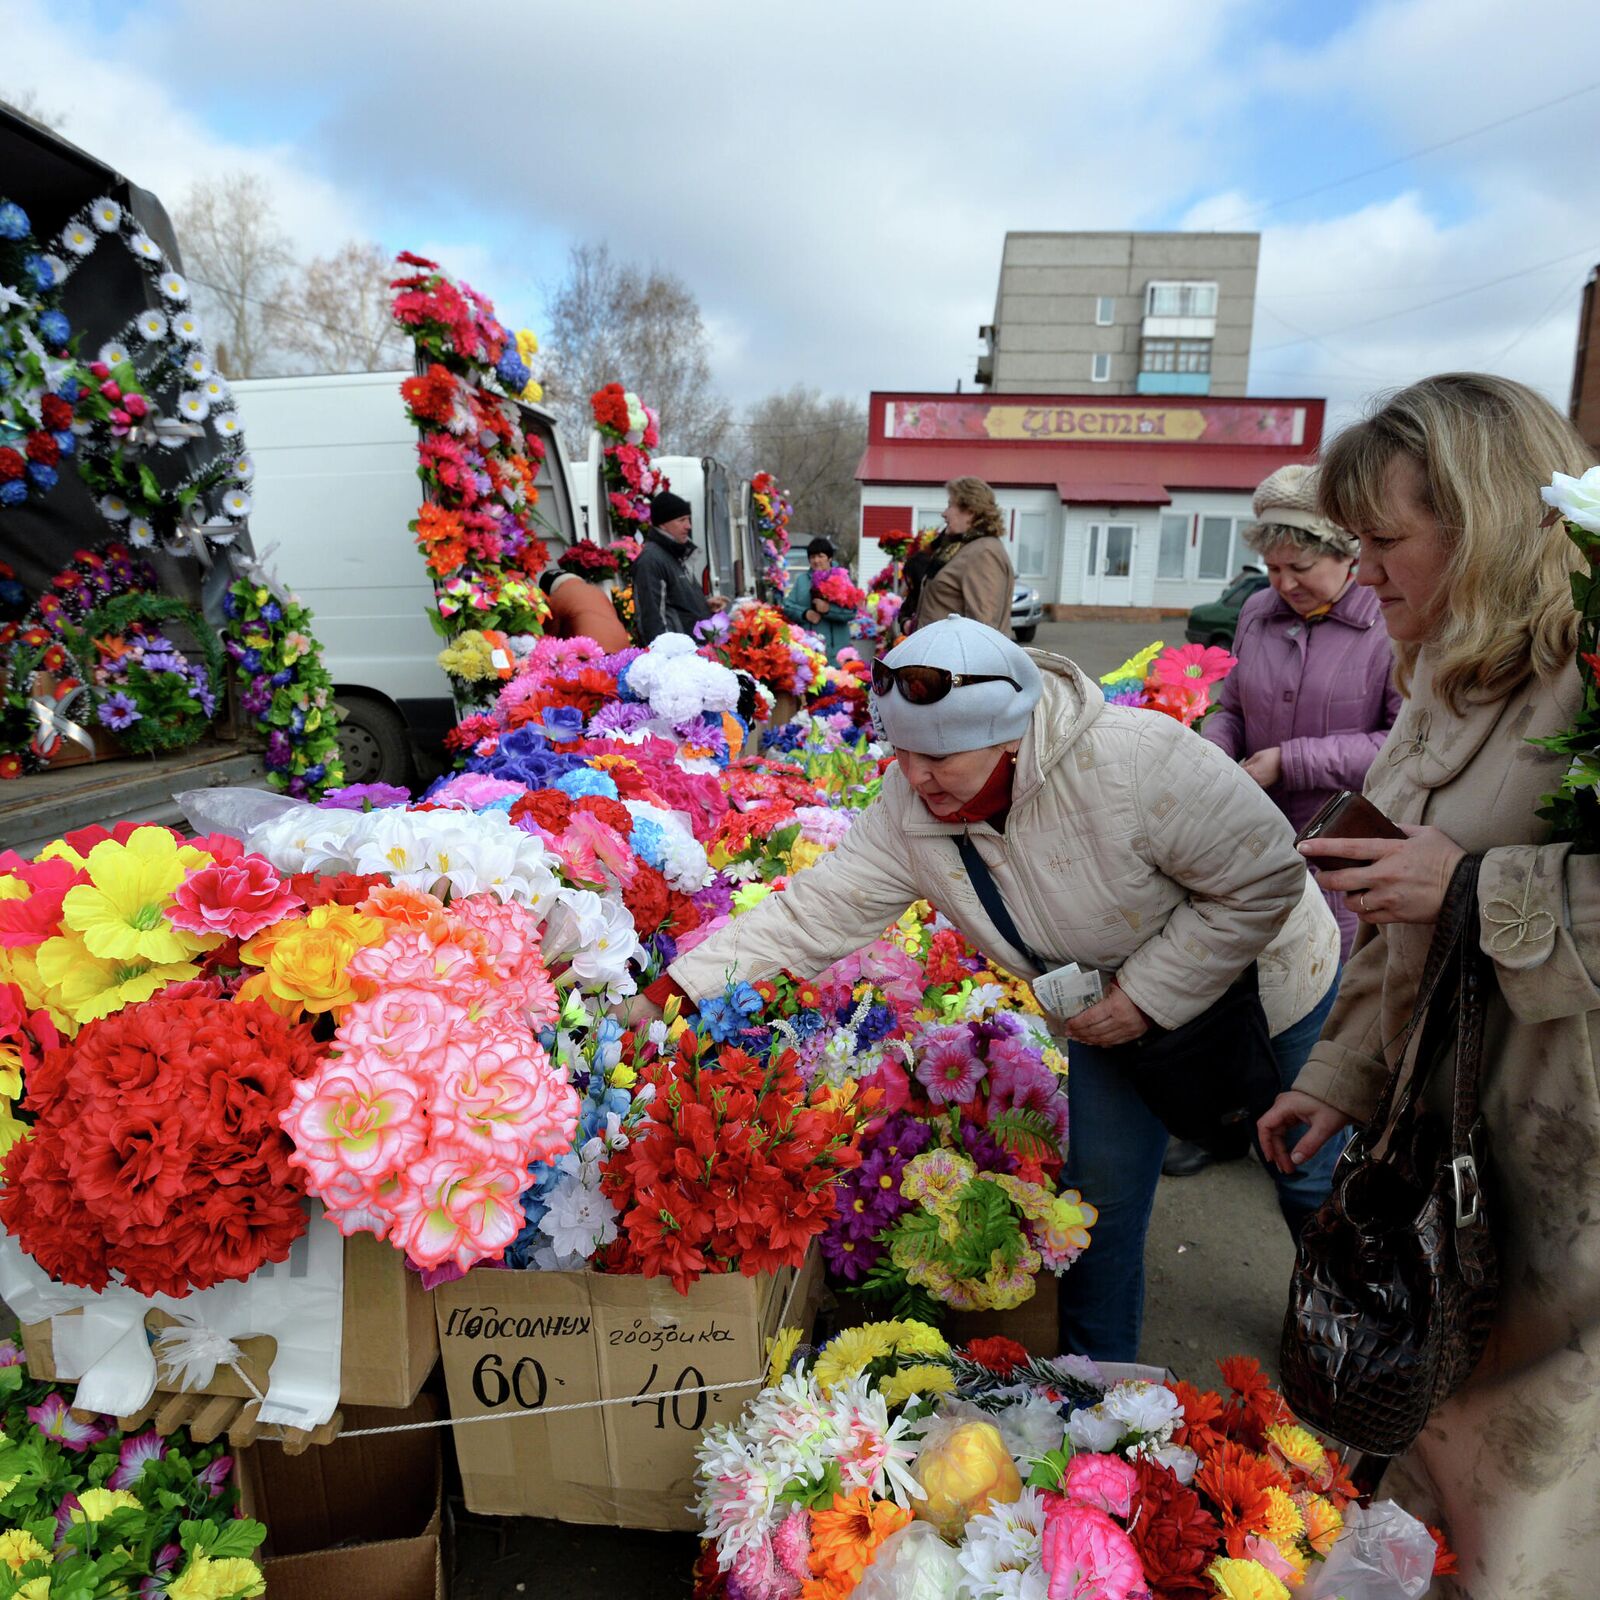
(991, 899)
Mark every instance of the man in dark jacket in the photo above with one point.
(665, 598)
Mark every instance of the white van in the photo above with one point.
(335, 490)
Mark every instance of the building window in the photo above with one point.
(1160, 355)
(1180, 300)
(1033, 544)
(1100, 371)
(1216, 549)
(1194, 355)
(1174, 544)
(1105, 311)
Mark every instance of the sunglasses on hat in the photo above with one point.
(926, 686)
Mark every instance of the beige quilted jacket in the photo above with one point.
(1132, 846)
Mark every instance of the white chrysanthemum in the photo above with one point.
(145, 247)
(236, 503)
(1178, 1459)
(1002, 1552)
(105, 214)
(193, 406)
(113, 507)
(738, 1504)
(173, 287)
(152, 325)
(244, 470)
(77, 239)
(227, 424)
(873, 1453)
(1093, 1430)
(186, 326)
(114, 353)
(1149, 1409)
(140, 533)
(196, 366)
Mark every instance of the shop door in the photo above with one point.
(1109, 579)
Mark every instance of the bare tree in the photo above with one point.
(238, 262)
(812, 445)
(613, 322)
(337, 318)
(26, 103)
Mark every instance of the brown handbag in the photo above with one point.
(1395, 1279)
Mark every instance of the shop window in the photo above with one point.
(1216, 549)
(1174, 548)
(1033, 543)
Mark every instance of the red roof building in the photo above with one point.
(1110, 500)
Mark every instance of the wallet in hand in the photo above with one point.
(1349, 815)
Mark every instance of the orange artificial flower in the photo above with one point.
(1236, 1481)
(1444, 1558)
(845, 1539)
(402, 907)
(1257, 1404)
(1201, 1408)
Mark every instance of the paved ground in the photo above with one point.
(1218, 1267)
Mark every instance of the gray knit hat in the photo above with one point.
(1288, 499)
(973, 715)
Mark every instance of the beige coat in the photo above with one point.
(1511, 1466)
(977, 581)
(1132, 846)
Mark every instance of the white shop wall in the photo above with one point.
(1033, 521)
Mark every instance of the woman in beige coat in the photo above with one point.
(1442, 485)
(1117, 839)
(967, 570)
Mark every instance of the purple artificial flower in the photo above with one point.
(948, 1069)
(845, 1257)
(878, 1177)
(117, 711)
(987, 1155)
(10, 1354)
(716, 899)
(69, 1504)
(856, 1214)
(904, 1136)
(216, 1476)
(136, 1452)
(53, 1418)
(279, 751)
(257, 699)
(618, 717)
(364, 797)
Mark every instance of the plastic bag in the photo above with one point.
(963, 1467)
(912, 1564)
(234, 811)
(1382, 1553)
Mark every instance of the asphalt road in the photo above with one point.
(1217, 1267)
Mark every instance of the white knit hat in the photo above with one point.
(1288, 499)
(972, 716)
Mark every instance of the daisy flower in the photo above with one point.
(196, 366)
(113, 507)
(78, 239)
(140, 534)
(236, 503)
(215, 388)
(186, 326)
(152, 325)
(114, 354)
(58, 269)
(106, 214)
(194, 406)
(145, 247)
(174, 287)
(244, 470)
(227, 424)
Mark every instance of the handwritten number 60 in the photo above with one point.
(493, 1388)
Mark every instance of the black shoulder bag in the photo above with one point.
(1210, 1078)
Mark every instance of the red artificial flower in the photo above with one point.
(1256, 1405)
(12, 463)
(1174, 1534)
(10, 765)
(1444, 1558)
(549, 809)
(611, 812)
(30, 921)
(55, 413)
(236, 898)
(43, 449)
(998, 1354)
(431, 395)
(156, 1150)
(338, 888)
(1201, 1408)
(647, 899)
(1235, 1480)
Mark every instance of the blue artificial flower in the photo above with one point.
(117, 711)
(40, 270)
(66, 441)
(230, 609)
(13, 492)
(746, 999)
(251, 660)
(582, 781)
(54, 327)
(877, 1024)
(561, 724)
(806, 1023)
(649, 841)
(272, 612)
(44, 477)
(11, 592)
(14, 222)
(70, 390)
(278, 679)
(513, 371)
(315, 774)
(721, 1019)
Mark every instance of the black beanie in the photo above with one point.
(820, 547)
(668, 507)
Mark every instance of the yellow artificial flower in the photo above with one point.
(622, 1076)
(1136, 666)
(18, 1547)
(20, 966)
(1298, 1447)
(305, 961)
(805, 853)
(1285, 1524)
(914, 1338)
(469, 656)
(750, 896)
(1054, 1059)
(95, 1505)
(1323, 1521)
(10, 1071)
(121, 912)
(962, 1474)
(850, 1352)
(35, 1588)
(922, 1378)
(10, 1131)
(527, 344)
(780, 1352)
(87, 986)
(1066, 1226)
(230, 1579)
(1245, 1580)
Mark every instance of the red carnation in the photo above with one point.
(43, 449)
(549, 809)
(156, 1150)
(647, 898)
(339, 888)
(11, 463)
(1176, 1537)
(55, 413)
(611, 812)
(998, 1354)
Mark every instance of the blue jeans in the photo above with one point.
(1114, 1161)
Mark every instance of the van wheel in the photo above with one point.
(1025, 635)
(1222, 641)
(373, 742)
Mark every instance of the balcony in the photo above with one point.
(1173, 383)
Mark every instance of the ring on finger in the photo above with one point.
(1366, 910)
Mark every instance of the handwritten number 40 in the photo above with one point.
(689, 1378)
(526, 1384)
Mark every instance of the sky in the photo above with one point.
(835, 180)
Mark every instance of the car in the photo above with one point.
(1216, 620)
(1027, 611)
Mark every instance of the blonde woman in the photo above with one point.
(1442, 486)
(967, 569)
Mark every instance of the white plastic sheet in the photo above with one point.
(234, 811)
(100, 1339)
(1382, 1553)
(913, 1563)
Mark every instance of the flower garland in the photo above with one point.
(39, 386)
(770, 511)
(476, 531)
(1177, 680)
(90, 1511)
(283, 686)
(629, 431)
(759, 639)
(985, 1473)
(1574, 810)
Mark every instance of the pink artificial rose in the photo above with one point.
(459, 1207)
(501, 1099)
(454, 961)
(234, 899)
(512, 936)
(1105, 1482)
(135, 405)
(1084, 1553)
(406, 1025)
(111, 391)
(359, 1114)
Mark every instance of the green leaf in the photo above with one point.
(1026, 1132)
(148, 485)
(239, 1537)
(1049, 1469)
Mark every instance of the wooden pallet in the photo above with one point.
(209, 1417)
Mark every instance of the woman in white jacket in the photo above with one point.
(1117, 839)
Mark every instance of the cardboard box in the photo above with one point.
(390, 1339)
(1034, 1324)
(513, 1340)
(356, 1517)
